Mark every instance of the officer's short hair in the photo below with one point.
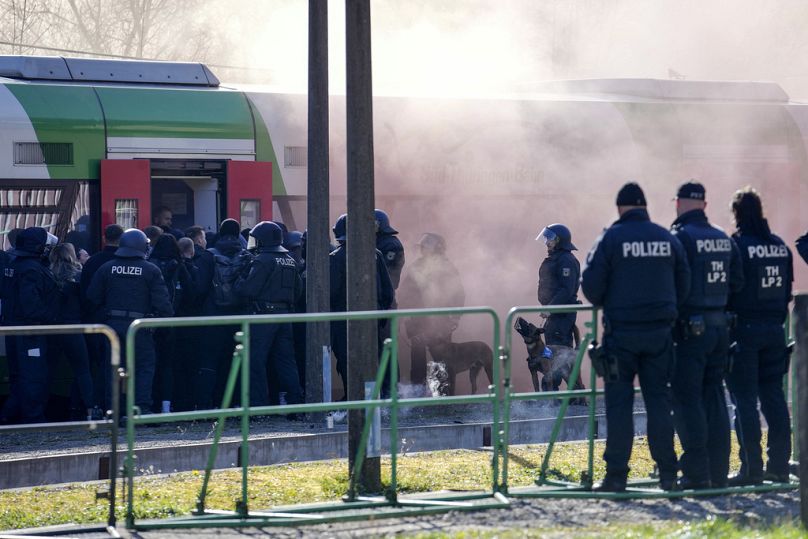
(113, 232)
(186, 246)
(194, 232)
(152, 232)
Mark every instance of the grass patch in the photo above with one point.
(715, 528)
(175, 494)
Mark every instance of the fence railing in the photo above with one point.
(240, 369)
(115, 381)
(500, 396)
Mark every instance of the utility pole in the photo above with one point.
(361, 242)
(317, 235)
(801, 365)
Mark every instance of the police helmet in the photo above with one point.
(383, 222)
(293, 239)
(30, 241)
(433, 242)
(268, 236)
(133, 244)
(558, 232)
(340, 227)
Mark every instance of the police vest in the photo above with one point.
(280, 287)
(768, 271)
(709, 253)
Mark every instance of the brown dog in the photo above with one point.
(555, 368)
(458, 357)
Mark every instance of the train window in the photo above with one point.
(43, 153)
(250, 213)
(60, 207)
(295, 156)
(126, 212)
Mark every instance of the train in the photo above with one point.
(88, 142)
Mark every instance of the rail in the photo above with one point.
(115, 377)
(391, 501)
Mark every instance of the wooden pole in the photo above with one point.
(801, 360)
(361, 238)
(317, 235)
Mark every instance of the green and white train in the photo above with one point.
(87, 142)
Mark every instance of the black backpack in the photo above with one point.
(226, 269)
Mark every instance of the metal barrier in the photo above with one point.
(354, 506)
(115, 379)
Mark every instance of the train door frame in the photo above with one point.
(244, 193)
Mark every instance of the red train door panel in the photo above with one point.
(249, 192)
(126, 193)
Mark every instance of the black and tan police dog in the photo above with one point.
(556, 367)
(458, 357)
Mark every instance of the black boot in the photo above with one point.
(610, 484)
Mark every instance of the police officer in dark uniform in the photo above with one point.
(272, 286)
(760, 359)
(385, 298)
(126, 288)
(559, 276)
(637, 271)
(702, 342)
(390, 246)
(31, 301)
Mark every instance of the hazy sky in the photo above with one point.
(488, 46)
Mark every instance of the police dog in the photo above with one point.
(554, 369)
(458, 357)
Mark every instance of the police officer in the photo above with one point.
(126, 288)
(272, 286)
(385, 298)
(390, 246)
(760, 359)
(31, 301)
(702, 342)
(637, 272)
(559, 275)
(431, 281)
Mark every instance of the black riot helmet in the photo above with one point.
(293, 239)
(557, 233)
(383, 222)
(341, 227)
(268, 236)
(31, 241)
(133, 244)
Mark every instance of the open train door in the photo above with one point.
(249, 192)
(125, 193)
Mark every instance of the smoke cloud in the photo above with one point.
(486, 154)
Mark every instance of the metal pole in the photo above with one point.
(130, 426)
(317, 235)
(801, 359)
(361, 243)
(115, 380)
(243, 508)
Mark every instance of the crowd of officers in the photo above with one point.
(163, 272)
(684, 310)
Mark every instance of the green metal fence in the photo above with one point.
(355, 506)
(115, 381)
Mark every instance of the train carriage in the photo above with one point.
(86, 142)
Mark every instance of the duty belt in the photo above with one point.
(711, 318)
(268, 307)
(124, 314)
